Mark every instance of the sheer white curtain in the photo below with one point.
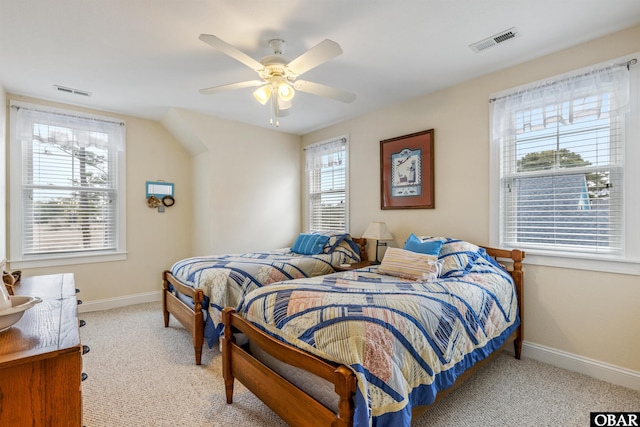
(64, 129)
(561, 99)
(326, 154)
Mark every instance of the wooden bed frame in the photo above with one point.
(300, 409)
(193, 319)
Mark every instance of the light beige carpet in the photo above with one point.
(143, 374)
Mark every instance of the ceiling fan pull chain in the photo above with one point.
(271, 111)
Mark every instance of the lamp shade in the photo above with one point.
(285, 91)
(262, 94)
(377, 231)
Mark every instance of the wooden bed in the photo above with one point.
(193, 318)
(300, 409)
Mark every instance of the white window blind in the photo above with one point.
(69, 201)
(562, 162)
(326, 170)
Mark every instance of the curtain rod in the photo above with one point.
(627, 64)
(330, 141)
(18, 107)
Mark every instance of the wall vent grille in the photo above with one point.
(72, 91)
(501, 37)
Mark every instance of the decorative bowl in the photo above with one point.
(19, 304)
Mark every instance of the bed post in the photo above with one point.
(198, 326)
(518, 279)
(345, 388)
(226, 342)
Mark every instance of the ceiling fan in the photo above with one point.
(279, 74)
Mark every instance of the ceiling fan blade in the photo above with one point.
(326, 91)
(320, 53)
(227, 49)
(232, 86)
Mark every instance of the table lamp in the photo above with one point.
(377, 231)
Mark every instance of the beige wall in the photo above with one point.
(154, 240)
(3, 173)
(245, 183)
(591, 314)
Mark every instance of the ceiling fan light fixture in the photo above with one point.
(284, 105)
(285, 91)
(279, 85)
(262, 94)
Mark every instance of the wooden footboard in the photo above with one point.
(275, 391)
(191, 319)
(285, 399)
(514, 257)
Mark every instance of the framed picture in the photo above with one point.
(406, 172)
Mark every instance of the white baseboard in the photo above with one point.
(109, 303)
(583, 365)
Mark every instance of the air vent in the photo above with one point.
(502, 37)
(72, 91)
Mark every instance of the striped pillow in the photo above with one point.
(409, 265)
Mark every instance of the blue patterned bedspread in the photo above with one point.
(404, 340)
(226, 279)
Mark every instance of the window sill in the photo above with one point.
(55, 261)
(582, 263)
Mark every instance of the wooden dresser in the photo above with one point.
(41, 358)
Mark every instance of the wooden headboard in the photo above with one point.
(362, 244)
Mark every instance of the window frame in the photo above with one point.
(628, 262)
(16, 232)
(308, 195)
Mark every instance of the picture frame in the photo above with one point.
(407, 172)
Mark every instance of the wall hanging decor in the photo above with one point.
(160, 194)
(406, 172)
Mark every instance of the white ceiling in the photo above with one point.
(143, 57)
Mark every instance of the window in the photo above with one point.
(67, 187)
(562, 153)
(326, 172)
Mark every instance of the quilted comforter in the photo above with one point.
(225, 279)
(404, 340)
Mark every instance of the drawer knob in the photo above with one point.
(82, 323)
(85, 349)
(77, 290)
(84, 376)
(79, 301)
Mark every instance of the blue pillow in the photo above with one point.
(309, 244)
(428, 247)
